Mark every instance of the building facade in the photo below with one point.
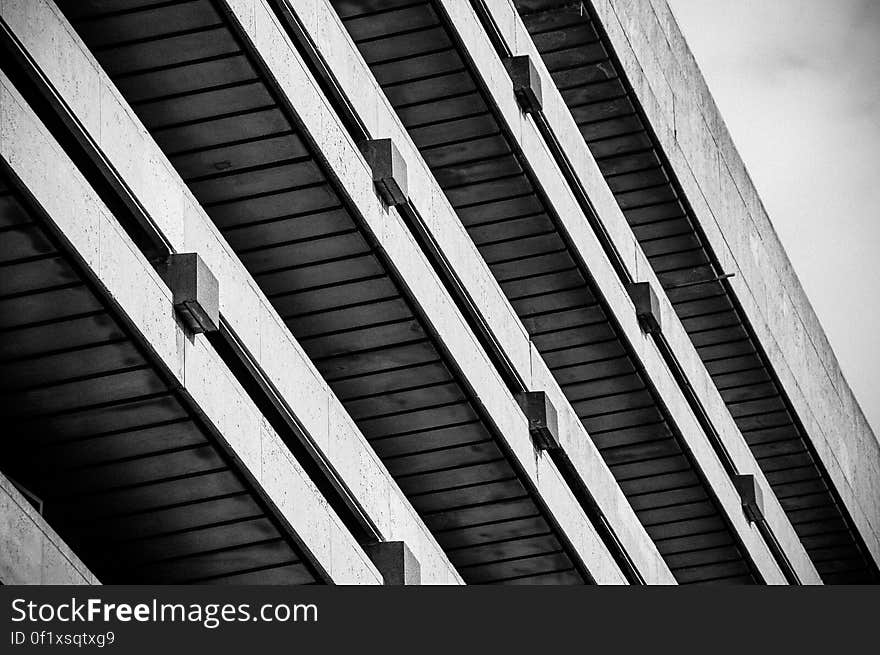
(401, 292)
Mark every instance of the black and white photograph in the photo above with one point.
(300, 298)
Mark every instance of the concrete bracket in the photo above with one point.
(526, 83)
(389, 170)
(195, 289)
(751, 496)
(395, 562)
(647, 306)
(541, 414)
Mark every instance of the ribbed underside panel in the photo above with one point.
(127, 474)
(414, 57)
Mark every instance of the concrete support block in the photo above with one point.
(389, 169)
(751, 495)
(196, 291)
(541, 414)
(526, 83)
(647, 306)
(395, 562)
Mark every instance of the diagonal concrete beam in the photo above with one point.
(97, 239)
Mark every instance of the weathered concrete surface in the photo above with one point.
(44, 33)
(30, 551)
(98, 240)
(671, 89)
(581, 162)
(125, 144)
(356, 82)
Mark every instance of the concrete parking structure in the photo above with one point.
(405, 244)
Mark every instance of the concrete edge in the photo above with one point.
(31, 552)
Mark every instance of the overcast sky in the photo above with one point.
(798, 83)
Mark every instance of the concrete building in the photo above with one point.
(401, 292)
